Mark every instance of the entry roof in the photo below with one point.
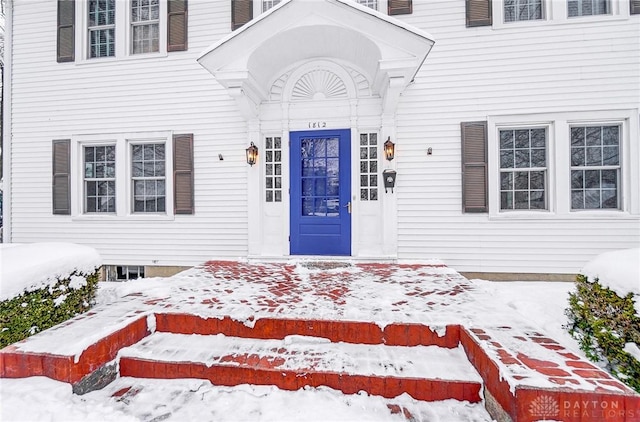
(380, 47)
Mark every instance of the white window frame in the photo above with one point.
(85, 179)
(623, 194)
(609, 2)
(545, 169)
(124, 185)
(556, 12)
(162, 7)
(123, 34)
(88, 31)
(559, 162)
(543, 12)
(494, 170)
(130, 144)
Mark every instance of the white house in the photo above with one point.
(129, 125)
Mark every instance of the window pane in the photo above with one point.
(522, 139)
(577, 199)
(591, 198)
(609, 198)
(594, 136)
(577, 156)
(538, 138)
(538, 158)
(521, 180)
(506, 159)
(577, 136)
(537, 200)
(577, 179)
(521, 200)
(506, 181)
(594, 156)
(506, 139)
(536, 180)
(592, 179)
(522, 158)
(609, 179)
(611, 135)
(610, 156)
(506, 200)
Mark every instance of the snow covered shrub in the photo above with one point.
(607, 327)
(37, 310)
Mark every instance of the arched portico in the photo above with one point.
(316, 70)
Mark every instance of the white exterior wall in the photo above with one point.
(530, 72)
(173, 93)
(555, 71)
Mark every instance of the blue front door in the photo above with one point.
(321, 192)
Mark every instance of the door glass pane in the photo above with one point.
(320, 177)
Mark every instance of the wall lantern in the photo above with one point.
(252, 154)
(389, 149)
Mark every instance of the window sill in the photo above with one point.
(570, 216)
(128, 217)
(133, 57)
(560, 21)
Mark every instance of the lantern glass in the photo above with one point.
(389, 149)
(252, 154)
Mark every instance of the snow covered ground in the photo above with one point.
(541, 304)
(41, 399)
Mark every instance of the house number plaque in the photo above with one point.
(317, 125)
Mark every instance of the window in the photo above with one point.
(102, 28)
(145, 26)
(273, 169)
(369, 166)
(373, 4)
(148, 177)
(100, 179)
(124, 272)
(268, 4)
(588, 7)
(523, 169)
(595, 167)
(522, 10)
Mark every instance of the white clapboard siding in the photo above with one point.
(472, 73)
(173, 93)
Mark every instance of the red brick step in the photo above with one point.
(428, 373)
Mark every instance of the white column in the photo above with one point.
(254, 190)
(389, 199)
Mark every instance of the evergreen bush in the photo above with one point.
(32, 312)
(603, 323)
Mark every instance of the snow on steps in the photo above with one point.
(428, 373)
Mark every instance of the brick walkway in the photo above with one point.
(526, 375)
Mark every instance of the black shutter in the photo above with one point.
(400, 7)
(241, 13)
(61, 183)
(478, 13)
(474, 167)
(183, 174)
(66, 31)
(634, 6)
(177, 25)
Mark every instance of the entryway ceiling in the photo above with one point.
(386, 51)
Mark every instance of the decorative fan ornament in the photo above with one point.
(319, 84)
